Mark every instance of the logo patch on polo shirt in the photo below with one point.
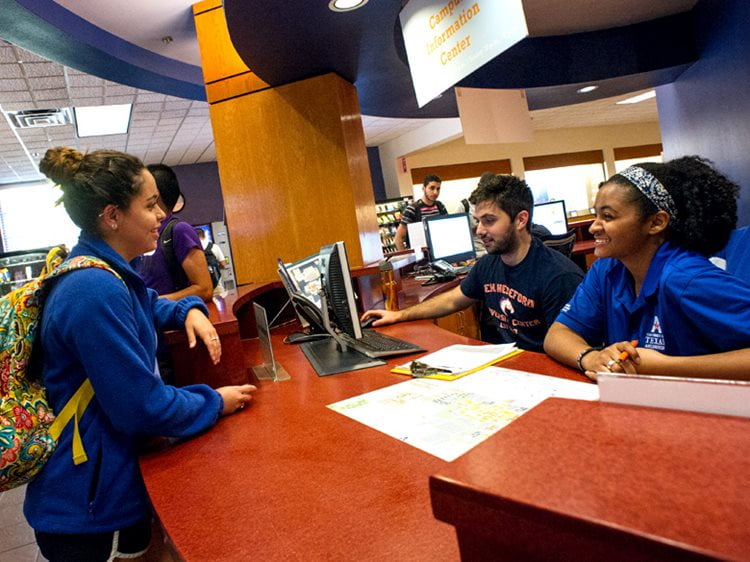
(655, 336)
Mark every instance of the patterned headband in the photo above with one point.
(651, 187)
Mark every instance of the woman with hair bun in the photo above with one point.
(101, 327)
(654, 303)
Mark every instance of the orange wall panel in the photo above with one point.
(218, 56)
(294, 175)
(292, 160)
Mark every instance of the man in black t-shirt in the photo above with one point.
(522, 283)
(427, 206)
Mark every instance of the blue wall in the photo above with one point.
(706, 111)
(376, 173)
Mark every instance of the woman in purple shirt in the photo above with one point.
(178, 267)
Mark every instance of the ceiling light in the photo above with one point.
(640, 97)
(586, 89)
(101, 120)
(345, 5)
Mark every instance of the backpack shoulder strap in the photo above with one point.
(82, 262)
(74, 409)
(179, 279)
(165, 240)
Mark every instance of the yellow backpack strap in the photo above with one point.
(54, 258)
(74, 409)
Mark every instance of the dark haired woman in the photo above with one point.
(101, 327)
(655, 226)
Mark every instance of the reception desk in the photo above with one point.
(289, 479)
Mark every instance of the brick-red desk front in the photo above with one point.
(575, 480)
(289, 479)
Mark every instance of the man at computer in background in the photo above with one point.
(427, 206)
(522, 283)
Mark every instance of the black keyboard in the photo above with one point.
(375, 344)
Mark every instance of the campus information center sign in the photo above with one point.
(446, 41)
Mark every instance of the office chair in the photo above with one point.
(563, 243)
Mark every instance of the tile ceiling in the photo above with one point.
(162, 129)
(177, 131)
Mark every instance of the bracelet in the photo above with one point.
(579, 359)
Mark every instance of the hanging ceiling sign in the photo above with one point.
(448, 40)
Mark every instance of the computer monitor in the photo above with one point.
(327, 356)
(206, 228)
(552, 216)
(337, 283)
(308, 312)
(450, 237)
(326, 271)
(305, 278)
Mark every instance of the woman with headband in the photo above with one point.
(654, 303)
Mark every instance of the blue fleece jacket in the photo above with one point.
(96, 326)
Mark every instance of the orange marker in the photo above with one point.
(624, 356)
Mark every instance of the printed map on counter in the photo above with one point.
(447, 419)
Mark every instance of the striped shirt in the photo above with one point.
(411, 214)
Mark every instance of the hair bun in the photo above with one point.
(60, 164)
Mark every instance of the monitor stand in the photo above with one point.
(327, 358)
(331, 355)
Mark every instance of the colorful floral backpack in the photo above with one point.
(29, 430)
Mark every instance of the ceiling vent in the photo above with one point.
(30, 118)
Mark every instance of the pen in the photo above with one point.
(624, 356)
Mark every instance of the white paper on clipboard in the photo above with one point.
(713, 396)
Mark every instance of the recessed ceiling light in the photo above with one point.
(98, 120)
(586, 89)
(345, 5)
(640, 97)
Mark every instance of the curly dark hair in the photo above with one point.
(705, 202)
(509, 193)
(91, 181)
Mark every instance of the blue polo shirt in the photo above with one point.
(687, 306)
(737, 253)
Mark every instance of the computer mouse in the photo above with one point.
(301, 337)
(368, 323)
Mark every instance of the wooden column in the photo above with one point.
(292, 160)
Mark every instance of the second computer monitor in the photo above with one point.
(339, 290)
(450, 237)
(305, 277)
(551, 215)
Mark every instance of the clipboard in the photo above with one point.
(462, 360)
